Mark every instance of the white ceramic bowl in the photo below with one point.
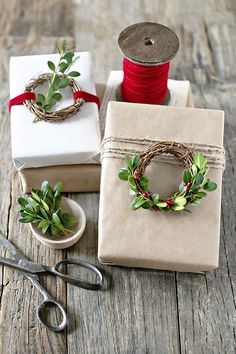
(64, 241)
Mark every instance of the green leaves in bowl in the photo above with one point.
(43, 208)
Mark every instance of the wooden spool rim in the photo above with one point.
(148, 43)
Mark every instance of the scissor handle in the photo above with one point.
(48, 301)
(77, 281)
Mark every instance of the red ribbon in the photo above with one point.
(29, 96)
(26, 96)
(144, 84)
(88, 97)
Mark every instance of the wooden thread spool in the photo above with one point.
(148, 44)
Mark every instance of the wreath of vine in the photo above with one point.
(193, 187)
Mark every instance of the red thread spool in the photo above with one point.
(148, 48)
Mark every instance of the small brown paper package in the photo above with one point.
(178, 241)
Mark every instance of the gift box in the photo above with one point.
(86, 178)
(75, 141)
(171, 240)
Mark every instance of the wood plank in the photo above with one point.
(137, 314)
(51, 18)
(19, 299)
(206, 304)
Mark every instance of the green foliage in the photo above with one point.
(192, 188)
(60, 77)
(43, 208)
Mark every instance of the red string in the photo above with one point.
(144, 84)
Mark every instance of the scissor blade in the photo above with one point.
(18, 255)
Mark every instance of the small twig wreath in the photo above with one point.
(192, 188)
(46, 115)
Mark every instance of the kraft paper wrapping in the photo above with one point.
(173, 240)
(82, 178)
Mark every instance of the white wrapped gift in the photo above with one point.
(75, 140)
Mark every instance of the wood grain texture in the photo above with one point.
(143, 311)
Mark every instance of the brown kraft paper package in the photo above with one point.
(178, 241)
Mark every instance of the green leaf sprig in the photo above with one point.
(43, 208)
(61, 76)
(192, 189)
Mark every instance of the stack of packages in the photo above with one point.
(67, 151)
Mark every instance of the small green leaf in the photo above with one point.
(64, 83)
(47, 106)
(194, 188)
(68, 220)
(177, 207)
(128, 161)
(57, 96)
(199, 178)
(43, 225)
(68, 57)
(73, 74)
(195, 202)
(54, 230)
(137, 202)
(41, 98)
(194, 169)
(22, 201)
(135, 161)
(35, 196)
(46, 207)
(26, 219)
(124, 174)
(56, 219)
(199, 160)
(58, 188)
(201, 194)
(161, 204)
(51, 65)
(210, 186)
(62, 67)
(180, 200)
(143, 182)
(64, 45)
(187, 177)
(132, 182)
(155, 197)
(147, 205)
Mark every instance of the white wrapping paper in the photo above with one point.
(73, 141)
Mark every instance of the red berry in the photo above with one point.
(146, 195)
(170, 202)
(136, 176)
(188, 185)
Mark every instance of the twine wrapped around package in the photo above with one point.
(173, 241)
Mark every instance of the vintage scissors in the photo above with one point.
(31, 271)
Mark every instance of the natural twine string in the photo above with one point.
(51, 116)
(118, 147)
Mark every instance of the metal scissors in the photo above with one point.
(31, 271)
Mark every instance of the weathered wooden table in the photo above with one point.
(144, 311)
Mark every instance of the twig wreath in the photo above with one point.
(42, 113)
(192, 188)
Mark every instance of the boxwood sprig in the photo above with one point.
(43, 208)
(193, 187)
(61, 76)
